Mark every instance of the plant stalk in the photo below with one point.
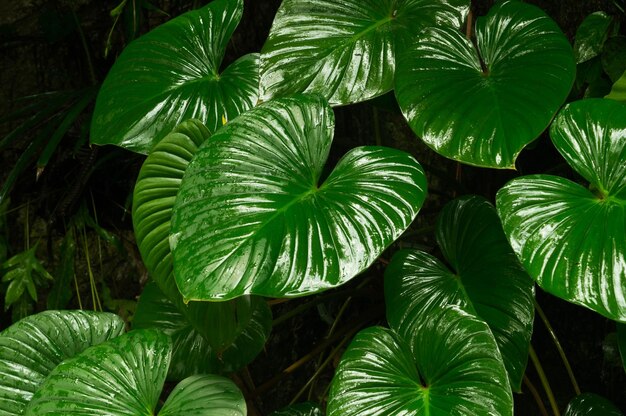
(536, 396)
(544, 381)
(558, 346)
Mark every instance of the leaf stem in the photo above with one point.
(319, 370)
(537, 397)
(345, 332)
(544, 381)
(558, 346)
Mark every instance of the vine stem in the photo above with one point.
(536, 396)
(544, 381)
(345, 332)
(319, 370)
(558, 346)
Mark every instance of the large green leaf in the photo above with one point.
(454, 369)
(482, 104)
(231, 335)
(153, 199)
(233, 331)
(251, 216)
(123, 376)
(31, 348)
(571, 239)
(172, 74)
(589, 404)
(486, 280)
(344, 49)
(205, 395)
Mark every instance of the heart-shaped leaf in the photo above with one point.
(300, 409)
(591, 35)
(208, 337)
(172, 74)
(251, 217)
(31, 348)
(487, 281)
(571, 239)
(454, 369)
(204, 395)
(344, 49)
(589, 404)
(123, 376)
(482, 104)
(233, 333)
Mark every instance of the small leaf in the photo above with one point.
(455, 368)
(591, 35)
(251, 217)
(571, 239)
(31, 348)
(481, 104)
(61, 291)
(344, 49)
(204, 395)
(589, 404)
(172, 74)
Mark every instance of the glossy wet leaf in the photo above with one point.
(344, 49)
(231, 334)
(234, 331)
(618, 91)
(31, 348)
(455, 368)
(123, 376)
(486, 280)
(172, 74)
(591, 35)
(204, 395)
(153, 200)
(251, 216)
(481, 105)
(589, 404)
(300, 409)
(569, 238)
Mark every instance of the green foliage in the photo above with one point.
(486, 281)
(24, 273)
(269, 227)
(569, 238)
(235, 201)
(31, 348)
(172, 74)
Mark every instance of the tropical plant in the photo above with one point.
(236, 202)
